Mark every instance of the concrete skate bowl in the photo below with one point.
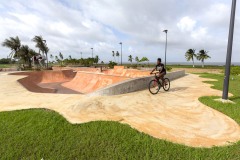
(66, 81)
(94, 82)
(46, 81)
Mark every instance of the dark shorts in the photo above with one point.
(164, 73)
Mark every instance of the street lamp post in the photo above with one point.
(121, 52)
(92, 52)
(229, 52)
(166, 31)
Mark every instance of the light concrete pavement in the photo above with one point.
(176, 116)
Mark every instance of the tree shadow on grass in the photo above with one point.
(235, 98)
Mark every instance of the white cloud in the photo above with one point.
(76, 26)
(199, 34)
(186, 24)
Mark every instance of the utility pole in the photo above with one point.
(166, 31)
(229, 52)
(121, 51)
(92, 52)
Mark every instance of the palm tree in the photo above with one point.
(14, 44)
(25, 53)
(96, 59)
(137, 59)
(118, 55)
(113, 54)
(202, 55)
(130, 59)
(61, 56)
(41, 45)
(56, 58)
(190, 54)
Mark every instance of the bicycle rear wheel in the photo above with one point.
(166, 84)
(154, 87)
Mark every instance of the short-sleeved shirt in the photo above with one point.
(160, 67)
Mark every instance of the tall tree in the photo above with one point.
(14, 44)
(113, 54)
(51, 56)
(118, 55)
(61, 58)
(130, 58)
(41, 45)
(190, 55)
(137, 59)
(202, 56)
(96, 59)
(26, 54)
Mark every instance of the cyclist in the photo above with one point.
(160, 68)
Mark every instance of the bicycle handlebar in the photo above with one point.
(156, 72)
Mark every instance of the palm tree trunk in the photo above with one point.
(193, 63)
(47, 59)
(202, 63)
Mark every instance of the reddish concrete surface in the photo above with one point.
(33, 81)
(88, 82)
(70, 80)
(117, 71)
(86, 69)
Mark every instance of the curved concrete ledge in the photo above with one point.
(133, 85)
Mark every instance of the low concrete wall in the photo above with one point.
(133, 85)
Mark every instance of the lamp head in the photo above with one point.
(166, 31)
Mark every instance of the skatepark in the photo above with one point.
(88, 80)
(84, 95)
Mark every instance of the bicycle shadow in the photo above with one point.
(177, 89)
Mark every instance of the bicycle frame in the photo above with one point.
(158, 79)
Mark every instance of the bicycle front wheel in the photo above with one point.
(166, 84)
(154, 87)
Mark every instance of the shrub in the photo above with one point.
(235, 70)
(5, 61)
(134, 66)
(169, 69)
(111, 64)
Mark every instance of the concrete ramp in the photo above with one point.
(86, 82)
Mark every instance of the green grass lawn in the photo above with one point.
(6, 65)
(36, 134)
(197, 66)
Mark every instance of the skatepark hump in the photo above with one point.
(76, 80)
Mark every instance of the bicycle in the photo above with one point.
(155, 85)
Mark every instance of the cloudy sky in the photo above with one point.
(74, 26)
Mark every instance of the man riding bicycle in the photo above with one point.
(160, 68)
